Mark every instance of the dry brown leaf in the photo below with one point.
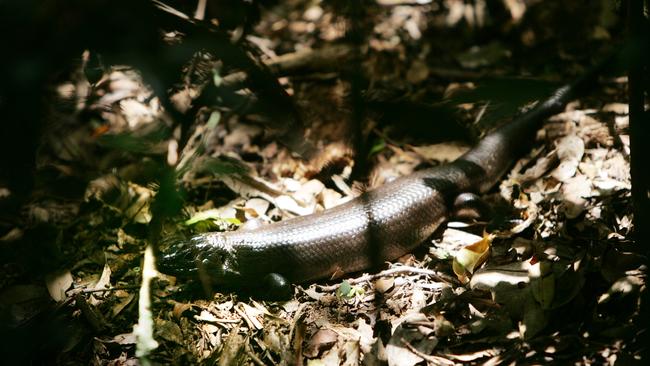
(258, 206)
(443, 152)
(232, 349)
(471, 257)
(180, 308)
(618, 108)
(398, 353)
(331, 198)
(443, 327)
(309, 190)
(289, 204)
(169, 331)
(58, 283)
(570, 151)
(384, 284)
(512, 273)
(251, 315)
(321, 341)
(103, 283)
(418, 72)
(121, 304)
(125, 338)
(575, 192)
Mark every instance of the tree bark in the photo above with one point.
(639, 124)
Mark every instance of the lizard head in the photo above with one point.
(207, 255)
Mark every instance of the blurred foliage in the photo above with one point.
(221, 166)
(168, 201)
(504, 97)
(130, 142)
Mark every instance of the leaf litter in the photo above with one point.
(466, 298)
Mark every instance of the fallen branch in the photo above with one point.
(393, 271)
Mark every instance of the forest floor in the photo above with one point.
(552, 277)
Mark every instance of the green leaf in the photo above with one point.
(216, 77)
(347, 291)
(168, 200)
(377, 147)
(134, 143)
(232, 220)
(203, 215)
(209, 220)
(344, 289)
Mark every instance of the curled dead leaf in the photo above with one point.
(471, 257)
(58, 283)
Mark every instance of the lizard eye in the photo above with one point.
(223, 258)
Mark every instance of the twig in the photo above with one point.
(249, 352)
(144, 329)
(110, 289)
(393, 271)
(436, 360)
(321, 59)
(94, 317)
(334, 59)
